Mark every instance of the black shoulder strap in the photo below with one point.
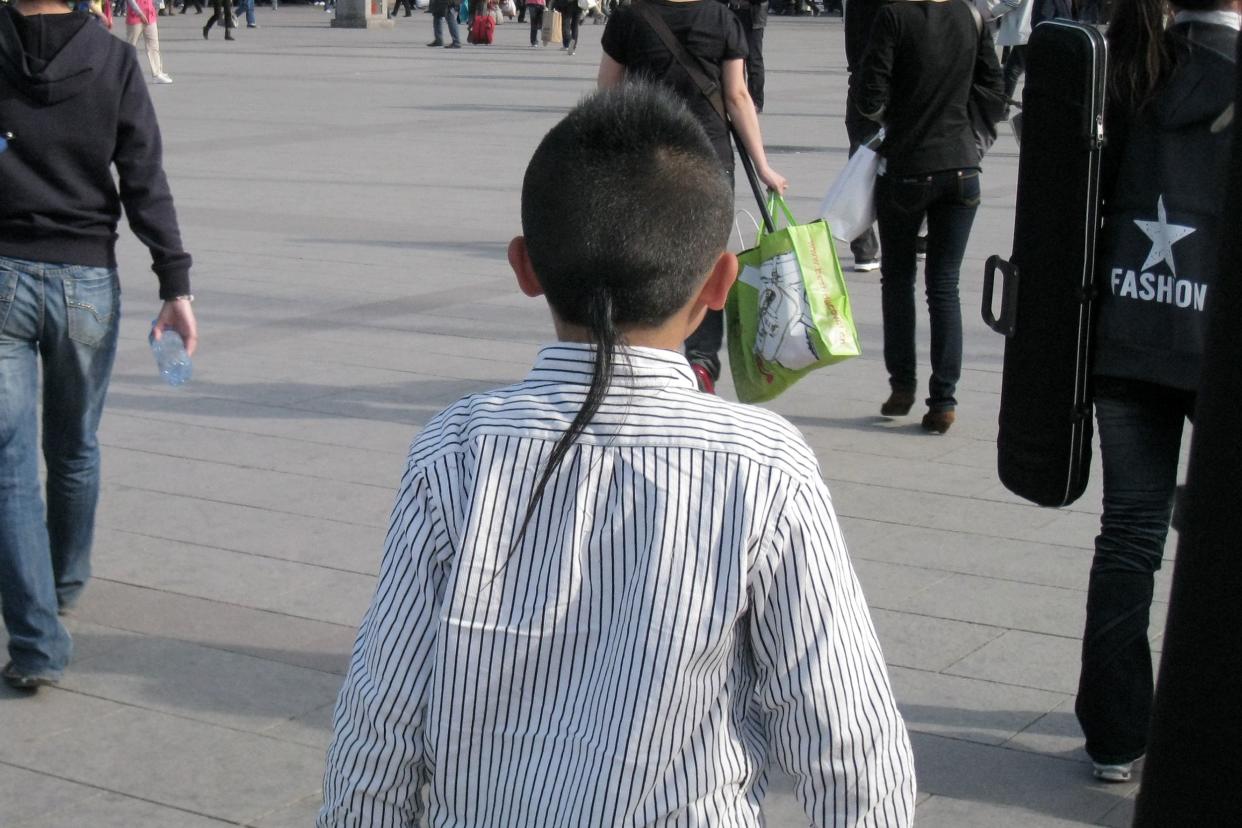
(688, 61)
(710, 91)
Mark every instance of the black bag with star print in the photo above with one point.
(1044, 304)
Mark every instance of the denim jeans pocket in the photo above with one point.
(908, 195)
(8, 291)
(969, 191)
(92, 301)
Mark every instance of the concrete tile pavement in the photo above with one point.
(347, 196)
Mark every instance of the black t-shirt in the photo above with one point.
(708, 30)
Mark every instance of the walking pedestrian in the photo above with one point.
(923, 60)
(754, 19)
(534, 10)
(444, 11)
(571, 19)
(222, 11)
(857, 24)
(1169, 120)
(73, 101)
(140, 25)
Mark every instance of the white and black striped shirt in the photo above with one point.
(680, 613)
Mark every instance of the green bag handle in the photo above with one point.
(777, 207)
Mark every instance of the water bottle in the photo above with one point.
(170, 357)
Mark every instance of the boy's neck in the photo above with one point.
(665, 337)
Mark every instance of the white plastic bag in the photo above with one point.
(849, 205)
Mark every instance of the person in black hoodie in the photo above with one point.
(1169, 122)
(73, 100)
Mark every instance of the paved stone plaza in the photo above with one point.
(348, 196)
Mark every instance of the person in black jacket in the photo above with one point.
(1169, 123)
(858, 19)
(917, 74)
(73, 99)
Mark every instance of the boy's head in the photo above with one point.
(625, 199)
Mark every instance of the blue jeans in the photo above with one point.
(1140, 442)
(949, 199)
(67, 317)
(248, 7)
(444, 13)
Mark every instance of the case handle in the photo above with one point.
(1003, 323)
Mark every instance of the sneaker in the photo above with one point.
(162, 78)
(920, 248)
(706, 384)
(938, 422)
(534, 45)
(252, 25)
(898, 404)
(1113, 773)
(453, 45)
(18, 679)
(866, 265)
(435, 43)
(573, 48)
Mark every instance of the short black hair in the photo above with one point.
(626, 195)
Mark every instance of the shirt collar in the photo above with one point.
(571, 363)
(1220, 18)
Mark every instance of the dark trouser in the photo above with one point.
(197, 4)
(703, 346)
(536, 22)
(754, 65)
(443, 11)
(1015, 65)
(949, 199)
(570, 19)
(222, 11)
(521, 10)
(1140, 441)
(865, 248)
(396, 7)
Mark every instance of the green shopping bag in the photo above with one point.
(789, 311)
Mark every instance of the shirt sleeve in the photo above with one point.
(139, 160)
(376, 763)
(736, 45)
(875, 86)
(823, 689)
(616, 35)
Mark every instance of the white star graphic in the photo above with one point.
(1163, 236)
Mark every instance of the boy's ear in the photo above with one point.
(716, 289)
(519, 260)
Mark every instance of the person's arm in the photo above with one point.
(376, 763)
(875, 85)
(149, 205)
(823, 688)
(610, 74)
(741, 108)
(988, 72)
